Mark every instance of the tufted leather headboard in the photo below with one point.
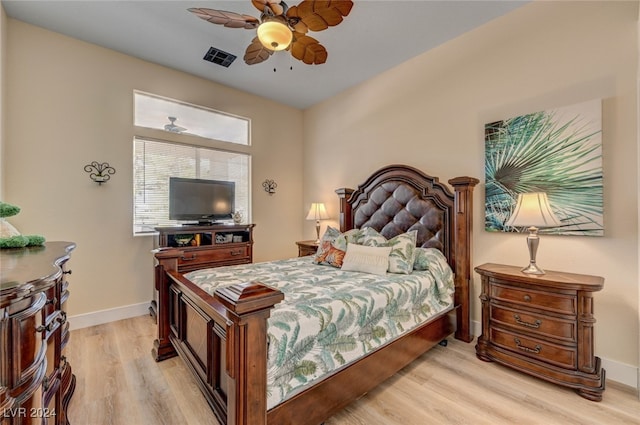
(399, 198)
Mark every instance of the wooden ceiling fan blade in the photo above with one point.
(300, 27)
(275, 6)
(308, 50)
(228, 19)
(342, 6)
(320, 15)
(256, 52)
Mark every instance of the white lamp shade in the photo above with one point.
(317, 212)
(274, 35)
(533, 209)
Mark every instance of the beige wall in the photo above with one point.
(70, 103)
(3, 61)
(430, 111)
(638, 172)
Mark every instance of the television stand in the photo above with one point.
(210, 245)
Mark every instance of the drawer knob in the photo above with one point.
(535, 350)
(534, 325)
(527, 298)
(193, 257)
(237, 252)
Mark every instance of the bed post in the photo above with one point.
(167, 260)
(248, 307)
(463, 224)
(346, 218)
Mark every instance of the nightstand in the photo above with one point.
(307, 248)
(541, 325)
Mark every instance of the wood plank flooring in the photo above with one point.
(119, 383)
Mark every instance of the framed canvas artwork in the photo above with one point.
(556, 151)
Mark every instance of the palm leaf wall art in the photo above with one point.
(557, 151)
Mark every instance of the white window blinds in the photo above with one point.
(156, 161)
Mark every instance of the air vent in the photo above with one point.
(219, 57)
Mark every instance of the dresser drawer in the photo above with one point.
(558, 303)
(534, 348)
(535, 323)
(234, 254)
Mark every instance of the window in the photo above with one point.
(156, 160)
(182, 118)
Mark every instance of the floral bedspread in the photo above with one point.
(331, 317)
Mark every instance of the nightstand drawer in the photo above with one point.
(558, 303)
(535, 348)
(307, 248)
(536, 323)
(234, 254)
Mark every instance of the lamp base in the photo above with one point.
(532, 243)
(532, 268)
(318, 231)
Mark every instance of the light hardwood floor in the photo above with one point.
(118, 382)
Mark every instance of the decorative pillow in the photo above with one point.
(421, 262)
(366, 259)
(403, 249)
(322, 254)
(403, 252)
(426, 258)
(371, 237)
(327, 254)
(350, 236)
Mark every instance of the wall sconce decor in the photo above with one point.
(99, 173)
(269, 186)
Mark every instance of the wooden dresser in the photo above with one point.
(205, 246)
(542, 325)
(36, 382)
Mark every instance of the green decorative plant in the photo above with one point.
(10, 237)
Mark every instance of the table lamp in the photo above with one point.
(533, 211)
(317, 212)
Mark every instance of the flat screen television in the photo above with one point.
(204, 201)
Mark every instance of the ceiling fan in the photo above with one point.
(281, 27)
(172, 127)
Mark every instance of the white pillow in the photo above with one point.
(367, 259)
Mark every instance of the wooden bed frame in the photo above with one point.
(223, 338)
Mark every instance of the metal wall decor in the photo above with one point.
(99, 173)
(269, 186)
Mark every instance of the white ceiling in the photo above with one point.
(376, 36)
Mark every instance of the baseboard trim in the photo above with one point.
(619, 372)
(105, 316)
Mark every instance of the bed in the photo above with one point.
(222, 332)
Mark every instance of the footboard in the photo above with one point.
(222, 339)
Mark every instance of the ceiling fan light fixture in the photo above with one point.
(274, 34)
